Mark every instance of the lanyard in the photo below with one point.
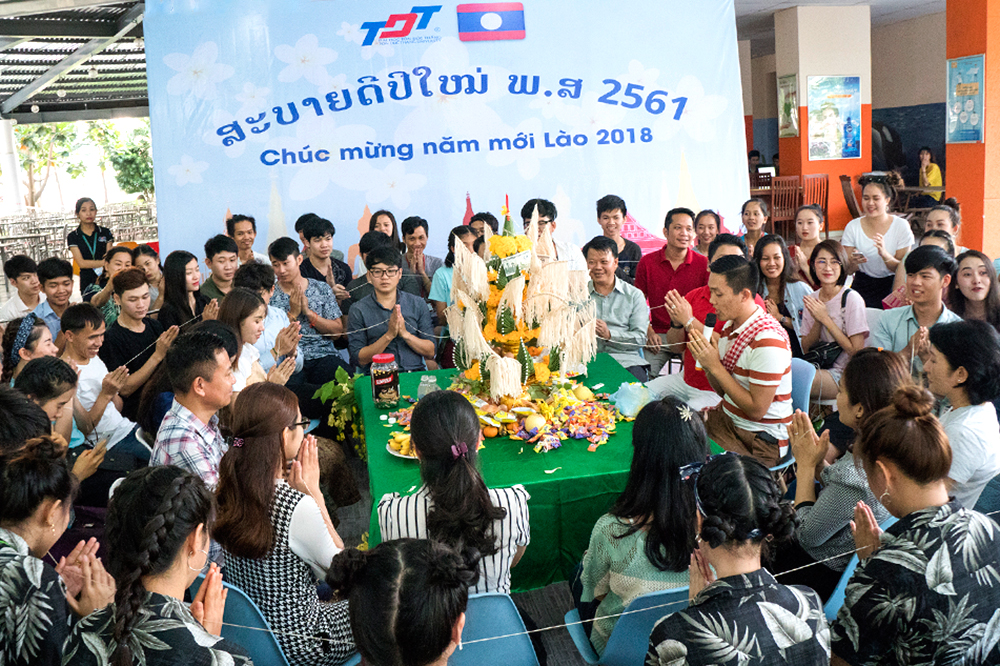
(89, 246)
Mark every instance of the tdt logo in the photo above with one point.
(399, 25)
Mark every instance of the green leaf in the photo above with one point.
(342, 375)
(527, 366)
(555, 359)
(505, 321)
(458, 355)
(508, 226)
(502, 279)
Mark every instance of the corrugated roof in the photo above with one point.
(109, 81)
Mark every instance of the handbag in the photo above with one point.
(825, 354)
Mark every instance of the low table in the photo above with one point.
(570, 487)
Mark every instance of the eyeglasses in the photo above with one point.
(384, 272)
(300, 424)
(823, 263)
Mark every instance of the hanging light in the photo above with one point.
(60, 93)
(92, 73)
(34, 108)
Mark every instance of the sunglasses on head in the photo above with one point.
(689, 474)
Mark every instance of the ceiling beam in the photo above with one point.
(78, 57)
(141, 110)
(27, 7)
(32, 27)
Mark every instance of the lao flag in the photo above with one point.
(484, 21)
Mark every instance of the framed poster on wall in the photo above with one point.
(788, 106)
(966, 85)
(834, 117)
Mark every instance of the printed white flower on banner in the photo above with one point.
(527, 160)
(253, 99)
(311, 179)
(377, 48)
(306, 59)
(550, 106)
(197, 73)
(394, 183)
(591, 115)
(188, 171)
(639, 74)
(698, 117)
(351, 33)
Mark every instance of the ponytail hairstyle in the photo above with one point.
(237, 305)
(46, 378)
(150, 516)
(454, 236)
(908, 435)
(740, 502)
(20, 420)
(759, 202)
(10, 341)
(32, 474)
(405, 597)
(655, 499)
(445, 431)
(261, 414)
(871, 378)
(175, 291)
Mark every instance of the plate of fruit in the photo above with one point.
(399, 446)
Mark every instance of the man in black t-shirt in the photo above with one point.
(134, 340)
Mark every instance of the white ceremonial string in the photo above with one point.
(558, 626)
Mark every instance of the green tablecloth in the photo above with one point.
(564, 504)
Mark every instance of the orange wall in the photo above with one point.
(748, 120)
(973, 28)
(795, 161)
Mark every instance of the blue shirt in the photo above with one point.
(368, 312)
(275, 320)
(45, 312)
(322, 302)
(896, 326)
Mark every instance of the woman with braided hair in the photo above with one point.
(157, 539)
(38, 601)
(407, 599)
(738, 612)
(275, 529)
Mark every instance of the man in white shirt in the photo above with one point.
(22, 272)
(750, 367)
(97, 390)
(565, 251)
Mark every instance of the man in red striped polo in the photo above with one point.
(750, 367)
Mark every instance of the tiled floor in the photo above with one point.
(546, 606)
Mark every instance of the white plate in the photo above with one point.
(393, 452)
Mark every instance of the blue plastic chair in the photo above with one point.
(489, 615)
(836, 600)
(262, 646)
(803, 374)
(629, 641)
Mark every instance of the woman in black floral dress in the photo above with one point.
(744, 617)
(157, 538)
(927, 590)
(38, 602)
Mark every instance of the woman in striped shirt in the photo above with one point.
(454, 505)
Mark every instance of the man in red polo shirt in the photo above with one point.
(677, 266)
(687, 312)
